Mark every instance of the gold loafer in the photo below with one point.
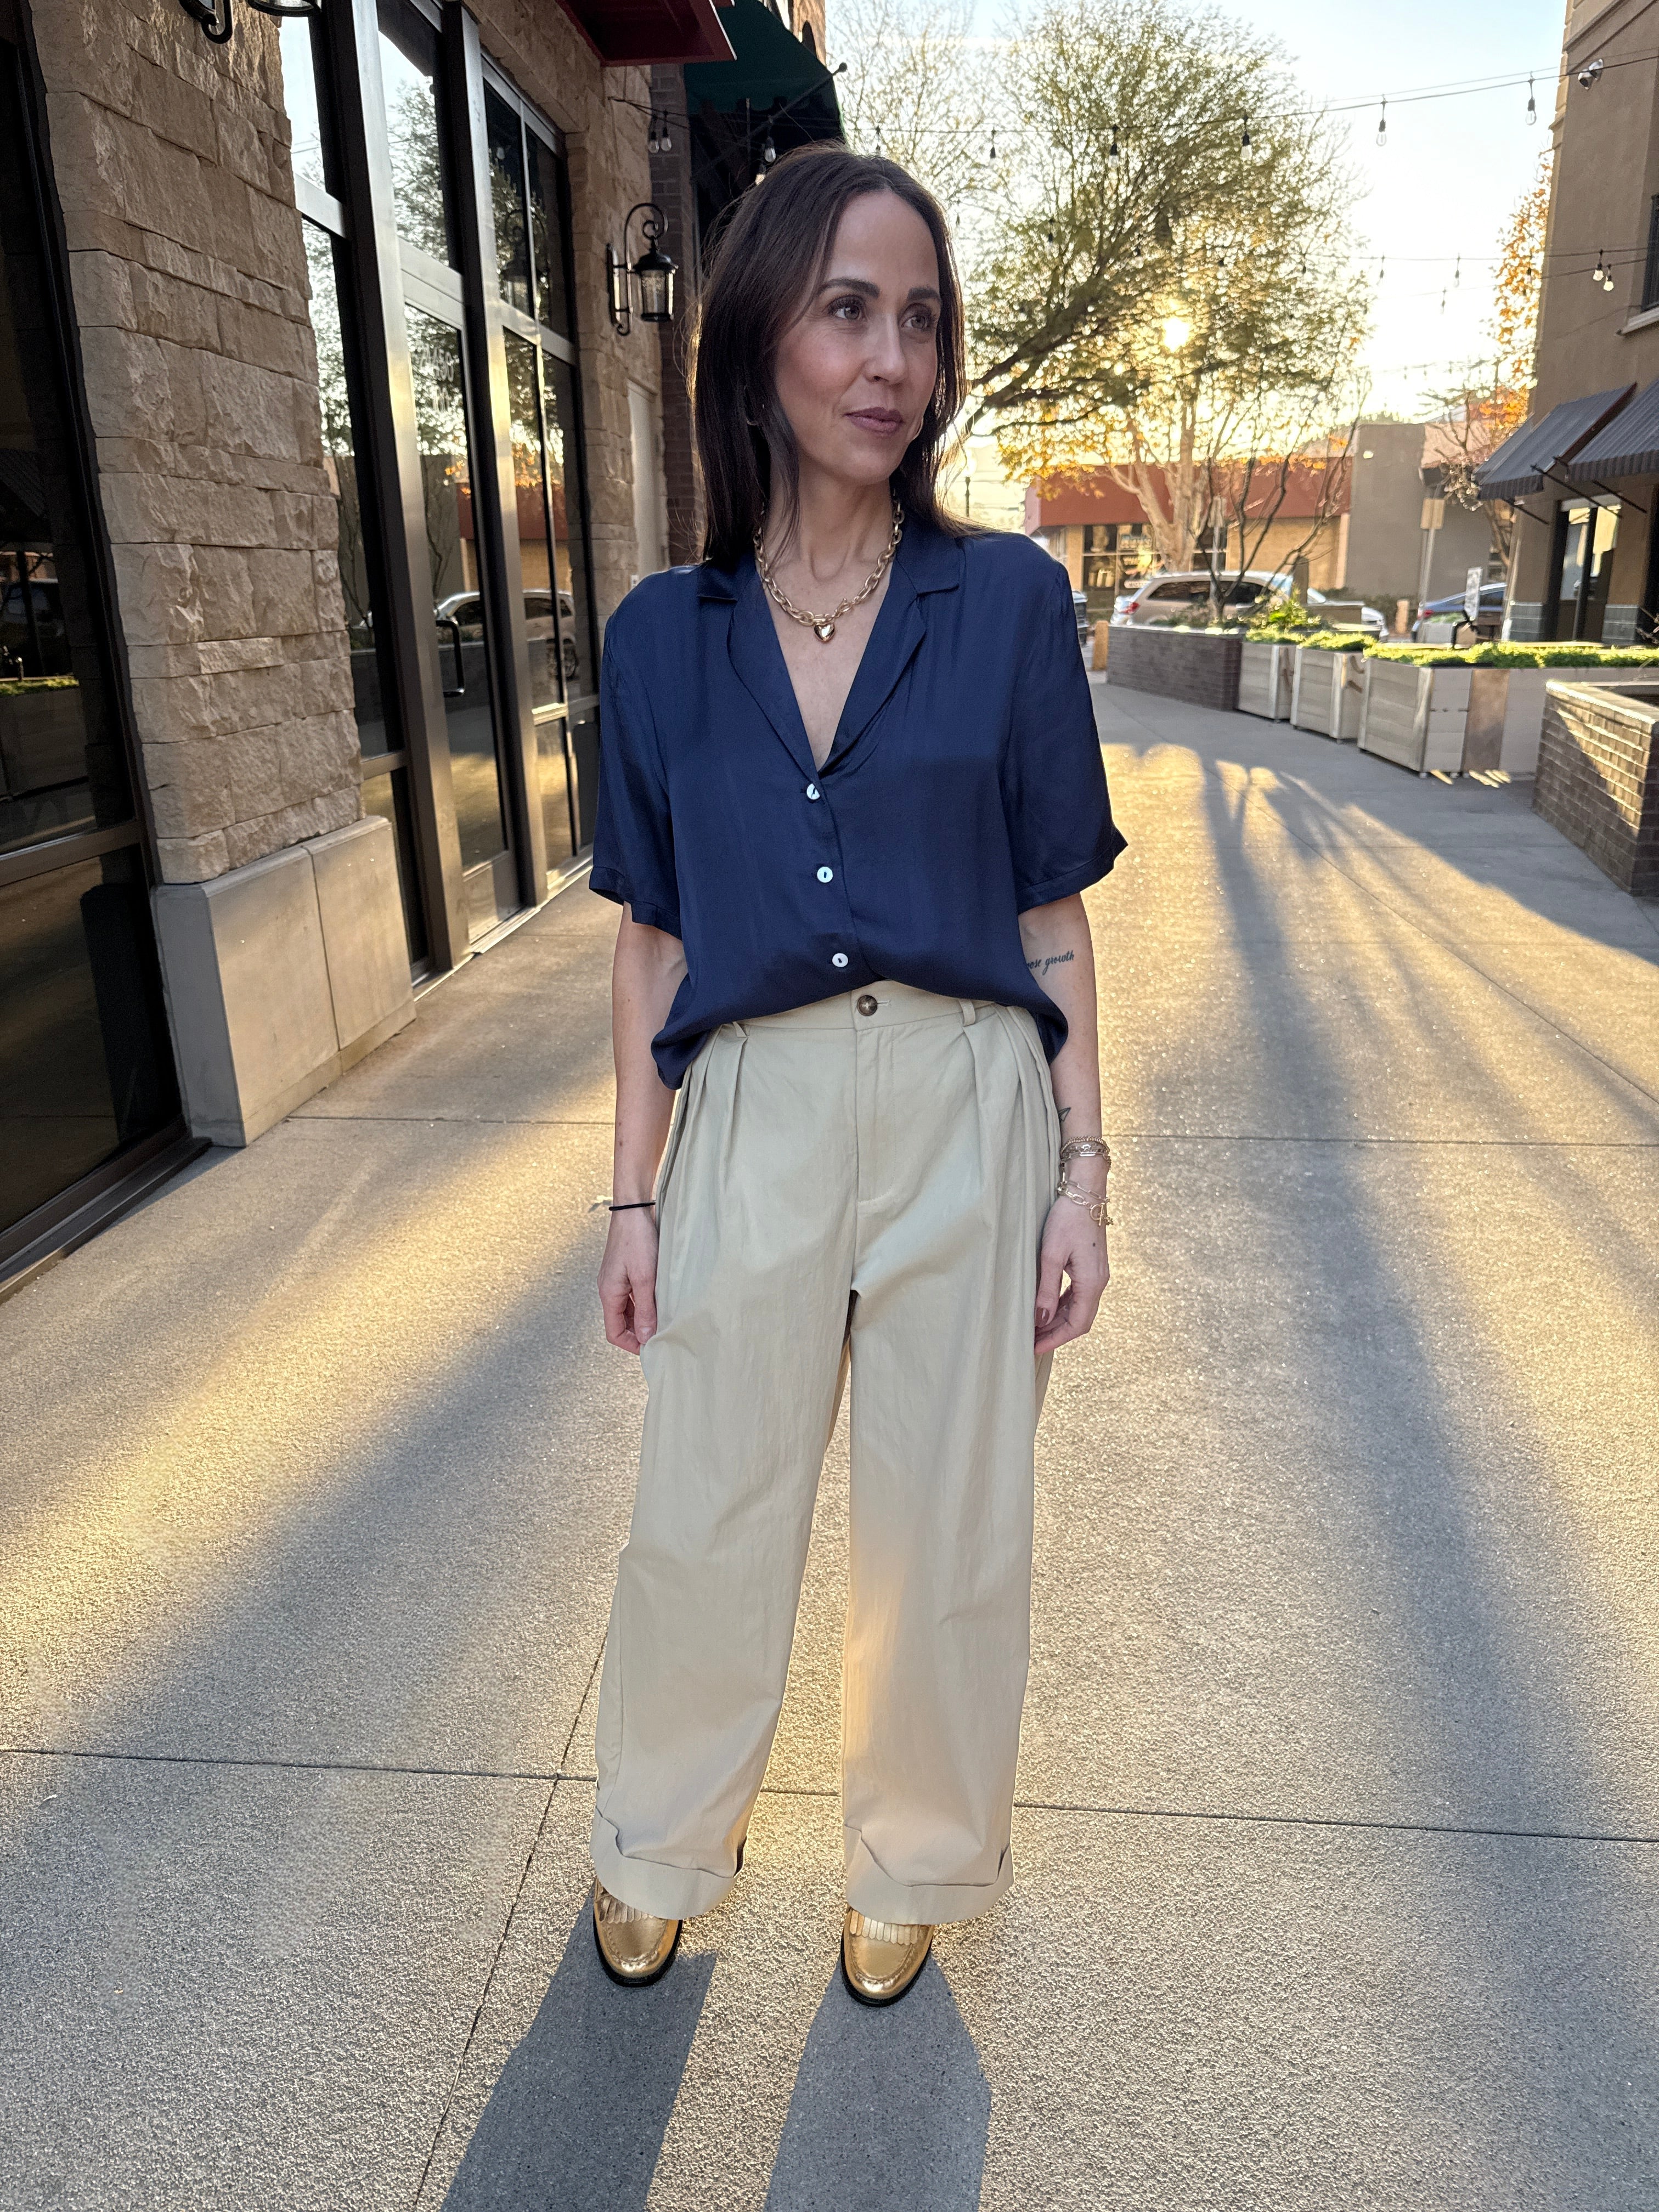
(880, 1958)
(635, 1948)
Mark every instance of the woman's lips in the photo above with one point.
(882, 420)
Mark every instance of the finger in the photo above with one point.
(1050, 1267)
(1053, 1330)
(617, 1308)
(645, 1309)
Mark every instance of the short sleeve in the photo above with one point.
(633, 828)
(1061, 830)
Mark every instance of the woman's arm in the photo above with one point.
(1061, 955)
(644, 978)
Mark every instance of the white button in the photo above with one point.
(811, 790)
(826, 875)
(837, 959)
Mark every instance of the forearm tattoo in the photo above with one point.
(1045, 961)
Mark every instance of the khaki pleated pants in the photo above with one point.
(863, 1180)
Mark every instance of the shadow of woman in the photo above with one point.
(889, 2107)
(578, 2116)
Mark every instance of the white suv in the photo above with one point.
(1166, 593)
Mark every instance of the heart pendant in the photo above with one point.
(825, 630)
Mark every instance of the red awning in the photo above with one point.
(630, 33)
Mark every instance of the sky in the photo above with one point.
(1452, 170)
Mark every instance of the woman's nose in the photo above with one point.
(886, 355)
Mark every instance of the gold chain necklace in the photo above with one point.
(822, 627)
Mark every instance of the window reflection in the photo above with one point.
(570, 568)
(83, 1068)
(458, 613)
(409, 66)
(300, 99)
(507, 198)
(548, 608)
(340, 446)
(547, 230)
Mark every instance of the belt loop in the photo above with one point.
(969, 1012)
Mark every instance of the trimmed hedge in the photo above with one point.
(1497, 655)
(25, 687)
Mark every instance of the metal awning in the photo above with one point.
(1628, 447)
(769, 67)
(632, 33)
(1524, 459)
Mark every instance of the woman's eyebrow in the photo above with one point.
(873, 291)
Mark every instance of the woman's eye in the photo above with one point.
(850, 306)
(922, 323)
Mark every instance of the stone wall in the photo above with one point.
(671, 187)
(1178, 664)
(189, 274)
(1598, 779)
(604, 114)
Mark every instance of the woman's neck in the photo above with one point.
(837, 525)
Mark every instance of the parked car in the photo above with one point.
(1166, 593)
(1487, 623)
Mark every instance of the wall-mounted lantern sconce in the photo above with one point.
(653, 270)
(215, 16)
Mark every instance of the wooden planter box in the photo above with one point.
(43, 739)
(1198, 666)
(1413, 716)
(1326, 695)
(1264, 680)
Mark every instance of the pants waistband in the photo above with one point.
(876, 1006)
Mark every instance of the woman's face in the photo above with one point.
(857, 366)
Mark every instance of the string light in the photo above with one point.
(1600, 270)
(994, 141)
(1532, 102)
(1382, 125)
(1114, 152)
(769, 150)
(1247, 148)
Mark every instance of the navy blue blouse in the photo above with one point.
(964, 786)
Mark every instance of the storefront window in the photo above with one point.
(85, 1066)
(301, 98)
(408, 74)
(548, 228)
(507, 190)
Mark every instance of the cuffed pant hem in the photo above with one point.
(873, 1891)
(671, 1892)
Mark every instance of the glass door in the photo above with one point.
(530, 197)
(447, 430)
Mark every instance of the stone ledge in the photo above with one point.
(280, 974)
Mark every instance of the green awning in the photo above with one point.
(770, 69)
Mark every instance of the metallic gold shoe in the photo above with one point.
(880, 1958)
(635, 1948)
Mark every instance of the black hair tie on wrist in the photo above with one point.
(630, 1205)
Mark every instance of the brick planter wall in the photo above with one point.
(1598, 778)
(1177, 664)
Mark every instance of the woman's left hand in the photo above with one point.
(1072, 1246)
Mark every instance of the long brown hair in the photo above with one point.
(773, 253)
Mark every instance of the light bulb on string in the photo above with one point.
(1246, 147)
(1598, 272)
(1532, 102)
(1458, 271)
(769, 150)
(1114, 152)
(994, 141)
(1382, 125)
(664, 143)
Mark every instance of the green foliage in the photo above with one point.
(1338, 640)
(25, 687)
(1498, 655)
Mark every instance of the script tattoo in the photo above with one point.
(1044, 962)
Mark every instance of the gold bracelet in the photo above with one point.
(1094, 1207)
(1087, 1148)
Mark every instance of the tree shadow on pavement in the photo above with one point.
(579, 2113)
(890, 2107)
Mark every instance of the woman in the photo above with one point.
(851, 792)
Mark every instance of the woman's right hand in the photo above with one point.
(627, 1279)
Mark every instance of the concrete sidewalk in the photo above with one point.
(1338, 1830)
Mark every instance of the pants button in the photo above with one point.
(866, 1005)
